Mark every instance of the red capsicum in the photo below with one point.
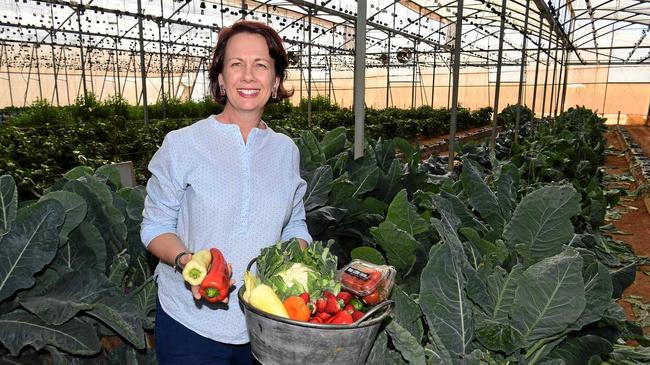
(216, 284)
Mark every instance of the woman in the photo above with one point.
(228, 181)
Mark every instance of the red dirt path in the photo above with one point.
(635, 222)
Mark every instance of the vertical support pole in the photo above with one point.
(65, 69)
(160, 56)
(415, 64)
(553, 85)
(566, 66)
(29, 75)
(101, 93)
(309, 32)
(300, 67)
(609, 63)
(38, 72)
(11, 93)
(243, 9)
(548, 60)
(201, 66)
(456, 72)
(359, 78)
(143, 71)
(433, 76)
(54, 65)
(81, 51)
(388, 68)
(162, 73)
(559, 80)
(539, 51)
(90, 70)
(618, 118)
(329, 68)
(118, 92)
(524, 62)
(449, 96)
(497, 89)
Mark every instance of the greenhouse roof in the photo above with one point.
(594, 31)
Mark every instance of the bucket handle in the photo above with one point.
(386, 306)
(250, 264)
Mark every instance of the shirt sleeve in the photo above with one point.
(297, 226)
(164, 195)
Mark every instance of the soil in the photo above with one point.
(641, 136)
(634, 222)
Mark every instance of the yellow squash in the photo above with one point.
(264, 298)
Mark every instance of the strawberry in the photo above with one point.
(315, 320)
(324, 316)
(345, 297)
(320, 305)
(305, 296)
(356, 315)
(328, 294)
(349, 308)
(333, 305)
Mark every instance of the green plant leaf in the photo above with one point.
(405, 216)
(378, 352)
(481, 197)
(333, 142)
(459, 208)
(365, 180)
(144, 299)
(400, 246)
(75, 210)
(106, 218)
(501, 287)
(111, 173)
(122, 316)
(406, 344)
(73, 292)
(541, 223)
(507, 186)
(497, 335)
(20, 329)
(85, 248)
(8, 203)
(598, 291)
(368, 254)
(443, 300)
(319, 185)
(575, 351)
(389, 182)
(29, 246)
(407, 313)
(550, 297)
(311, 155)
(78, 172)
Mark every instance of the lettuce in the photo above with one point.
(290, 270)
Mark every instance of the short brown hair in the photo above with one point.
(276, 51)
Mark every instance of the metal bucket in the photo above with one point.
(280, 341)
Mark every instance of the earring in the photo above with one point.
(274, 93)
(222, 90)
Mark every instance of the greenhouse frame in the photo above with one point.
(486, 162)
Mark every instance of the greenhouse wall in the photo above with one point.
(606, 90)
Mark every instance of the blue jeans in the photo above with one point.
(178, 345)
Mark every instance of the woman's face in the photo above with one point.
(248, 73)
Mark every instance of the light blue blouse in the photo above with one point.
(213, 190)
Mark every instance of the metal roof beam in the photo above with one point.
(352, 18)
(556, 26)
